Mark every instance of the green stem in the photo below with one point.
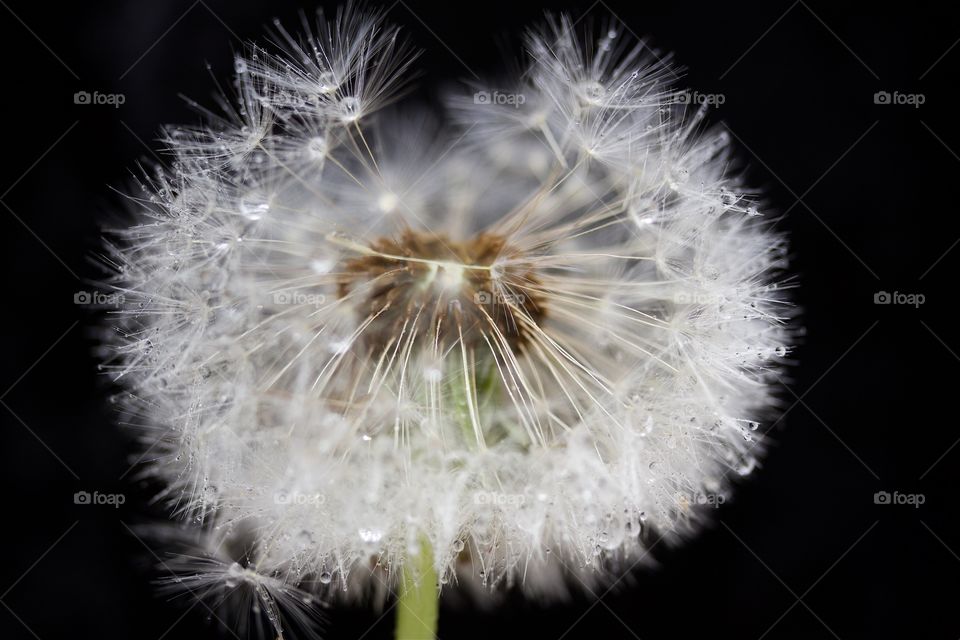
(418, 600)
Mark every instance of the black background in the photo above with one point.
(870, 195)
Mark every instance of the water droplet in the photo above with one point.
(254, 205)
(316, 148)
(727, 198)
(327, 82)
(350, 109)
(370, 535)
(647, 426)
(234, 575)
(593, 92)
(320, 266)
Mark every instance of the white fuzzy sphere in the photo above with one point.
(537, 335)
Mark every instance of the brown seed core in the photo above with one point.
(443, 289)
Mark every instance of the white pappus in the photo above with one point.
(529, 337)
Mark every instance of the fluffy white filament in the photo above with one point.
(315, 436)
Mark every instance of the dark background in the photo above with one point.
(870, 195)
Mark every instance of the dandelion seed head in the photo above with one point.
(539, 334)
